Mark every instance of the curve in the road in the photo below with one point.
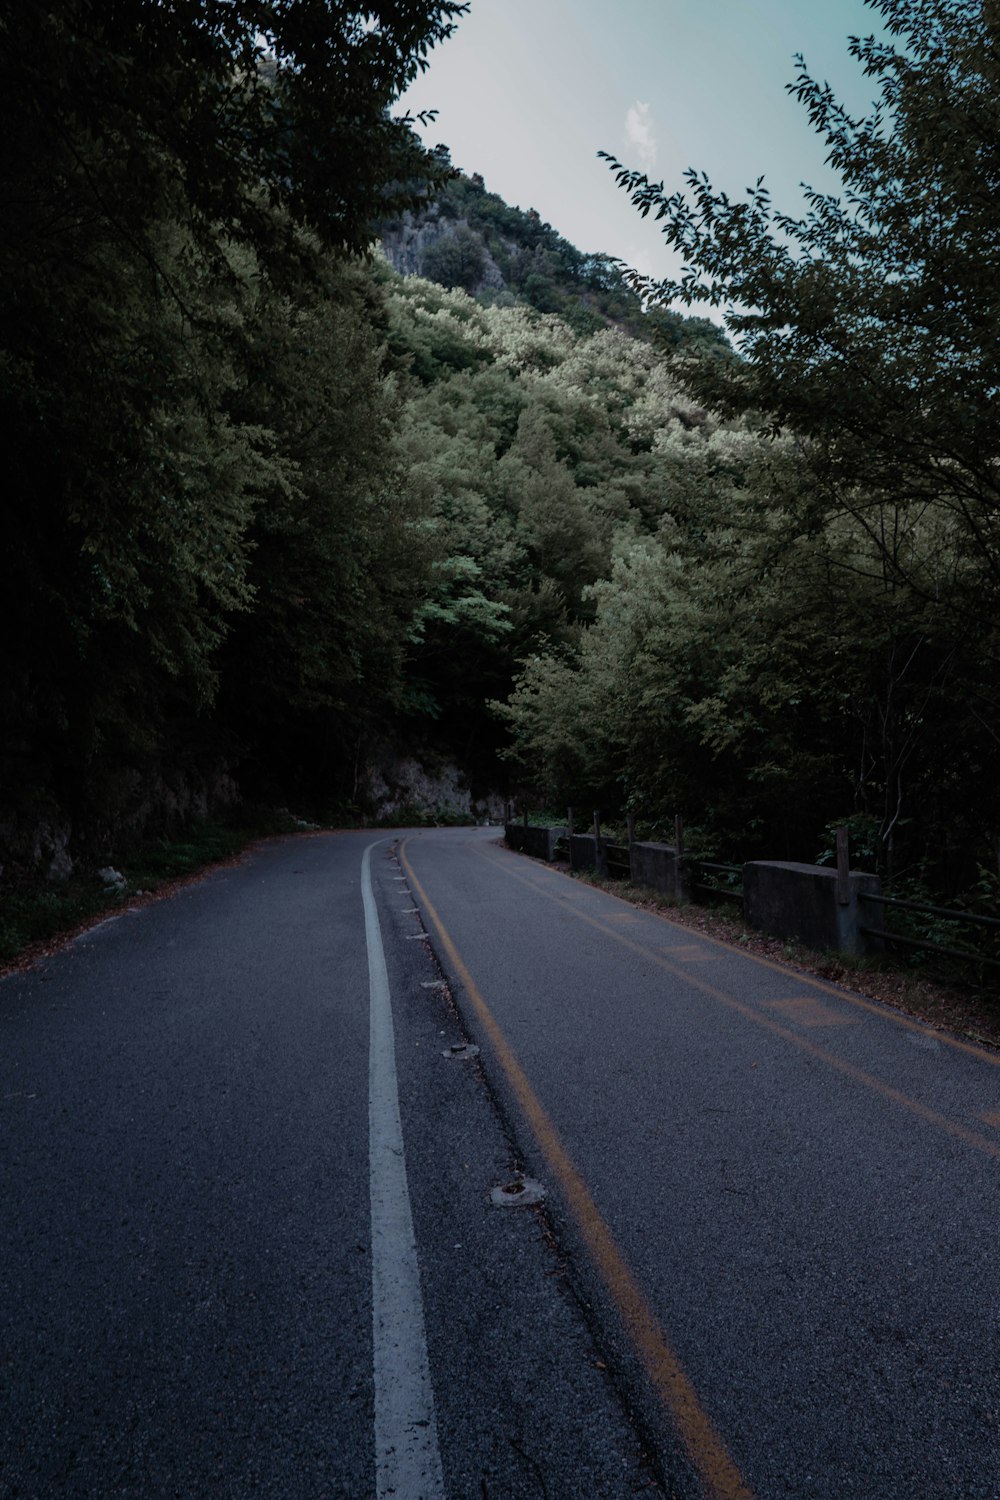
(704, 1446)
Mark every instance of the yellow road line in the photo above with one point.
(806, 1010)
(703, 1445)
(875, 1008)
(924, 1111)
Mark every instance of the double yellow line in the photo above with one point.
(704, 1446)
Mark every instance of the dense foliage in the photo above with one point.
(815, 627)
(469, 238)
(534, 453)
(190, 385)
(271, 503)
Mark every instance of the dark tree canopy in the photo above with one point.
(183, 181)
(236, 107)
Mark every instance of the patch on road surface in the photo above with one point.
(520, 1193)
(461, 1051)
(808, 1011)
(689, 953)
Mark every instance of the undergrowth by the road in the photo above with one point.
(953, 1005)
(37, 911)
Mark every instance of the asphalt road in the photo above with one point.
(249, 1246)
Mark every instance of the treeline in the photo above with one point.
(811, 636)
(207, 557)
(469, 239)
(271, 504)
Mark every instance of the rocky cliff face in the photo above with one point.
(423, 786)
(129, 805)
(405, 245)
(414, 246)
(406, 789)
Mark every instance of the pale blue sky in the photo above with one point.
(529, 90)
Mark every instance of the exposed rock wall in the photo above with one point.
(405, 789)
(130, 804)
(406, 245)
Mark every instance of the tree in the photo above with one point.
(456, 260)
(173, 174)
(332, 565)
(246, 106)
(870, 327)
(729, 674)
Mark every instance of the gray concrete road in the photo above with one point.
(248, 1242)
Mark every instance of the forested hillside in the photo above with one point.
(206, 571)
(229, 556)
(470, 239)
(279, 511)
(536, 455)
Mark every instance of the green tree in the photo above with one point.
(172, 173)
(456, 260)
(870, 327)
(246, 106)
(334, 563)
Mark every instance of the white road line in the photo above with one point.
(407, 1460)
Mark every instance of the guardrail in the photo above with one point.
(929, 945)
(711, 887)
(774, 895)
(618, 861)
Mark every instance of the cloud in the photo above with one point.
(639, 134)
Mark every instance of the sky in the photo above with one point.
(528, 91)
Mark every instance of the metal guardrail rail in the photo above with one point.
(618, 864)
(729, 891)
(933, 911)
(928, 945)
